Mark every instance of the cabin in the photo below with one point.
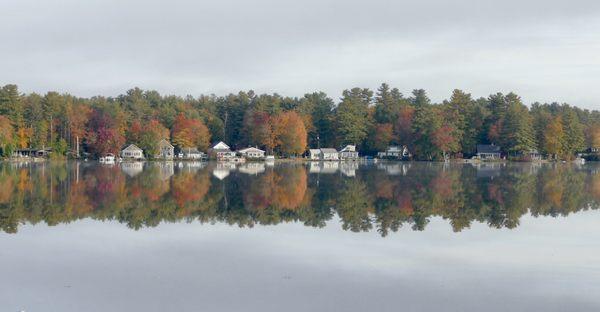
(221, 151)
(488, 152)
(533, 154)
(393, 151)
(314, 154)
(348, 153)
(252, 153)
(329, 154)
(32, 152)
(191, 153)
(132, 152)
(166, 151)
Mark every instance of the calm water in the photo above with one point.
(299, 237)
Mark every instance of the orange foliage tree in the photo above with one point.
(290, 133)
(6, 132)
(189, 132)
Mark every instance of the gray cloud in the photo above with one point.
(543, 50)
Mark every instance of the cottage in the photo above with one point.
(252, 153)
(329, 154)
(488, 152)
(533, 154)
(132, 152)
(191, 153)
(349, 152)
(222, 151)
(165, 150)
(394, 152)
(32, 152)
(314, 154)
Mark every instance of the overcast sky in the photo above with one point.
(543, 50)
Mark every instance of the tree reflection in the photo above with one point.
(374, 198)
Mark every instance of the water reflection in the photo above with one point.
(382, 197)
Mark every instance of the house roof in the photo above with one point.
(250, 149)
(329, 150)
(221, 146)
(314, 151)
(349, 148)
(487, 148)
(133, 147)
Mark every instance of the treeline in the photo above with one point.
(289, 125)
(61, 192)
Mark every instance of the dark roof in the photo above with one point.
(488, 149)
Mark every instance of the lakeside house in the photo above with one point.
(166, 151)
(191, 153)
(488, 152)
(132, 151)
(32, 152)
(252, 153)
(394, 152)
(349, 153)
(323, 154)
(533, 154)
(314, 154)
(221, 151)
(329, 154)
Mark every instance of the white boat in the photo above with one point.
(270, 158)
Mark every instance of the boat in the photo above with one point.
(270, 158)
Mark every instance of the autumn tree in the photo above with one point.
(103, 134)
(189, 132)
(290, 133)
(259, 128)
(6, 134)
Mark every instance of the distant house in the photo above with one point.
(32, 152)
(191, 153)
(314, 154)
(533, 154)
(165, 150)
(394, 152)
(221, 151)
(488, 152)
(329, 154)
(252, 152)
(132, 152)
(348, 152)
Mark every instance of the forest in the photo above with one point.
(288, 126)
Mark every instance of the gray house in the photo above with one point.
(165, 150)
(488, 152)
(132, 152)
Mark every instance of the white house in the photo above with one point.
(191, 153)
(165, 150)
(314, 154)
(329, 154)
(349, 152)
(132, 152)
(394, 152)
(252, 152)
(222, 151)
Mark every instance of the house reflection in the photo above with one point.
(382, 197)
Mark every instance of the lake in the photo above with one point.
(388, 236)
